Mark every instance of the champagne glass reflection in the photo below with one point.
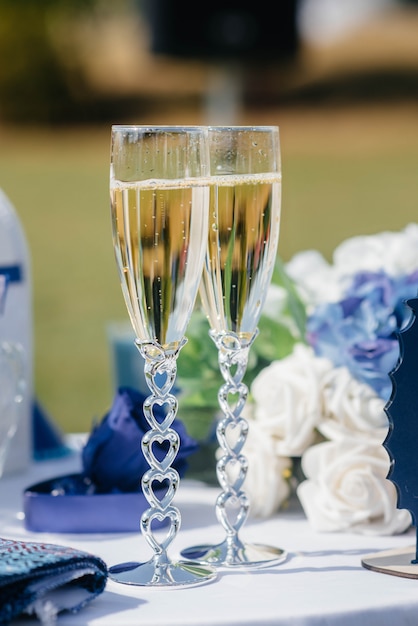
(244, 221)
(12, 384)
(12, 393)
(159, 201)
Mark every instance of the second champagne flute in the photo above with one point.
(244, 221)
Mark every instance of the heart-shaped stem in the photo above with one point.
(232, 505)
(160, 371)
(160, 482)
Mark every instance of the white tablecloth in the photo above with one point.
(322, 582)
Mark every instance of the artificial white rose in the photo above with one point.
(315, 279)
(318, 281)
(346, 489)
(350, 407)
(275, 308)
(287, 401)
(275, 302)
(394, 252)
(405, 258)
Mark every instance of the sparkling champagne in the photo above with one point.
(244, 222)
(158, 230)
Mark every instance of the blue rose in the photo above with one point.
(112, 457)
(361, 331)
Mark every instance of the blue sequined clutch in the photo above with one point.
(44, 579)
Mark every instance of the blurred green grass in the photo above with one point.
(58, 182)
(345, 173)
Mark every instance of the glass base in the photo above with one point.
(170, 574)
(254, 555)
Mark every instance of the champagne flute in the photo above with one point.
(159, 201)
(244, 221)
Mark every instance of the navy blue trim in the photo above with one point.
(14, 273)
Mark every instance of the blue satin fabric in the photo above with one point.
(69, 504)
(106, 496)
(112, 457)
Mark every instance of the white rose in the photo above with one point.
(318, 281)
(350, 407)
(287, 399)
(394, 252)
(315, 279)
(405, 261)
(347, 489)
(275, 308)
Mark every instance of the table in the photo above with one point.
(321, 583)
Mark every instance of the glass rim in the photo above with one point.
(262, 128)
(158, 127)
(193, 127)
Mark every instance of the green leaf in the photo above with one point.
(198, 374)
(275, 340)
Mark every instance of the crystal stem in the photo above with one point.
(160, 371)
(232, 433)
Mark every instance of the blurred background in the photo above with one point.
(340, 78)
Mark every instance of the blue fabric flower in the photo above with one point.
(112, 457)
(361, 331)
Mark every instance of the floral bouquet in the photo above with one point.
(319, 383)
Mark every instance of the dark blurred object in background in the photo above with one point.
(223, 30)
(91, 61)
(45, 46)
(33, 86)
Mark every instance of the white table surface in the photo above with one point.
(322, 582)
